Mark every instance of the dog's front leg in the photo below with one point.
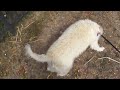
(95, 46)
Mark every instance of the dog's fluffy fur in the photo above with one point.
(73, 42)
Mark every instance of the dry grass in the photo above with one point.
(110, 59)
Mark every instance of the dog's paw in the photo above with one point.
(101, 49)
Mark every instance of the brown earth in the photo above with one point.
(41, 29)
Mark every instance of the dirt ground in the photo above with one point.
(40, 29)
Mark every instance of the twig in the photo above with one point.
(12, 41)
(110, 59)
(89, 60)
(49, 75)
(19, 31)
(28, 25)
(21, 27)
(35, 40)
(17, 34)
(33, 37)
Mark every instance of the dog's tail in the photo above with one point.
(37, 57)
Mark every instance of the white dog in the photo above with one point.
(73, 42)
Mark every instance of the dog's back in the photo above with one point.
(73, 42)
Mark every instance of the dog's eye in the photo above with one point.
(98, 34)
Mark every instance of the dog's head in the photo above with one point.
(96, 28)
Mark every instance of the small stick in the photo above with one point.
(28, 25)
(35, 40)
(19, 30)
(49, 75)
(110, 59)
(17, 35)
(21, 27)
(89, 60)
(12, 41)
